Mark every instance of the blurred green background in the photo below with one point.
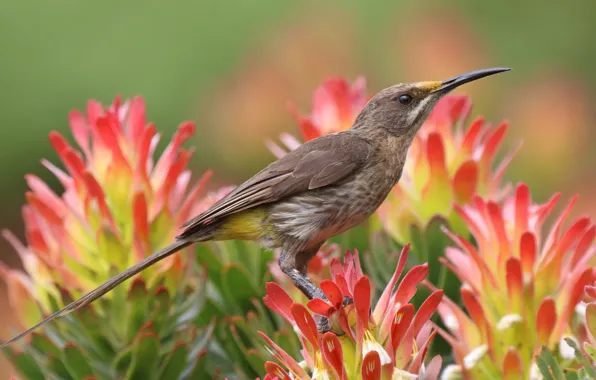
(232, 66)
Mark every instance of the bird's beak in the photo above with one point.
(451, 83)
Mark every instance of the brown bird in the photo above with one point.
(321, 189)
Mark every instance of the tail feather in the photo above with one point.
(107, 286)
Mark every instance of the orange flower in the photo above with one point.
(388, 342)
(521, 290)
(118, 206)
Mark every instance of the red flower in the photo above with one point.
(521, 290)
(118, 206)
(389, 341)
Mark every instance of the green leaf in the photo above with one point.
(55, 365)
(436, 242)
(136, 307)
(123, 361)
(191, 307)
(161, 308)
(236, 350)
(264, 275)
(287, 340)
(43, 345)
(238, 287)
(548, 366)
(25, 364)
(201, 343)
(418, 245)
(246, 254)
(145, 357)
(256, 361)
(76, 363)
(381, 259)
(207, 257)
(174, 363)
(198, 371)
(90, 328)
(117, 305)
(588, 367)
(115, 253)
(209, 311)
(591, 351)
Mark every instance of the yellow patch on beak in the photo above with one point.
(429, 86)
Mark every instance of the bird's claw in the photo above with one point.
(347, 301)
(323, 325)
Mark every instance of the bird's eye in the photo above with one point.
(405, 99)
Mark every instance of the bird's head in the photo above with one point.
(401, 109)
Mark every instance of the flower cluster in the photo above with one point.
(387, 342)
(118, 206)
(520, 290)
(588, 311)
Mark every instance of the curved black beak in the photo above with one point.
(451, 83)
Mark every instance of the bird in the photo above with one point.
(321, 189)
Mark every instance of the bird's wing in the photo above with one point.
(315, 164)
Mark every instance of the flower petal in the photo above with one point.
(400, 325)
(306, 324)
(426, 310)
(512, 366)
(546, 317)
(320, 307)
(418, 360)
(333, 354)
(433, 368)
(407, 286)
(490, 149)
(522, 209)
(285, 358)
(278, 301)
(591, 318)
(333, 293)
(371, 366)
(362, 294)
(136, 120)
(275, 369)
(465, 181)
(141, 222)
(527, 252)
(383, 302)
(80, 130)
(515, 284)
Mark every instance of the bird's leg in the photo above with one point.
(294, 264)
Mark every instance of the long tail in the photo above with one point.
(107, 286)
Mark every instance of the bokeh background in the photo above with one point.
(232, 66)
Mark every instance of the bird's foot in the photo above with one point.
(347, 301)
(324, 326)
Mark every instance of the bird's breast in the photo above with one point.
(320, 214)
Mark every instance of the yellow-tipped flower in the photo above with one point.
(521, 289)
(118, 206)
(445, 165)
(389, 341)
